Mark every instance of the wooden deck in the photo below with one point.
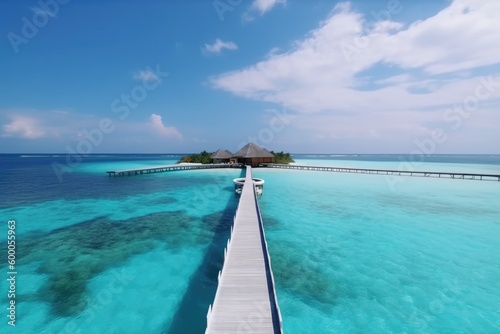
(246, 300)
(167, 168)
(464, 176)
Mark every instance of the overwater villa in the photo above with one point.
(250, 154)
(222, 156)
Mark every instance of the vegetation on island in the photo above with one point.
(282, 158)
(203, 158)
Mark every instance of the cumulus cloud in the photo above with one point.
(218, 46)
(380, 71)
(156, 122)
(460, 37)
(49, 124)
(328, 63)
(263, 6)
(260, 7)
(23, 127)
(55, 130)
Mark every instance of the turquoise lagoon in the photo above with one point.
(350, 253)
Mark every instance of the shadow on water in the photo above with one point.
(192, 311)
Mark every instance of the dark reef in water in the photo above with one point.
(73, 255)
(301, 274)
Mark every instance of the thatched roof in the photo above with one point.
(251, 150)
(221, 154)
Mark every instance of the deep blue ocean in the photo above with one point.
(351, 253)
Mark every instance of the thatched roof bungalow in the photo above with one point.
(254, 155)
(221, 156)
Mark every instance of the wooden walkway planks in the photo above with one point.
(449, 175)
(246, 301)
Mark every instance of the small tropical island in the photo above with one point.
(250, 154)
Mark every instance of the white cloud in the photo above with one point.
(50, 124)
(263, 6)
(156, 122)
(218, 46)
(273, 52)
(55, 130)
(461, 37)
(23, 127)
(145, 76)
(319, 74)
(341, 68)
(260, 7)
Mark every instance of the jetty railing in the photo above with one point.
(268, 262)
(177, 167)
(246, 282)
(449, 175)
(168, 168)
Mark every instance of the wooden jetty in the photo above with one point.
(246, 300)
(464, 176)
(168, 168)
(396, 172)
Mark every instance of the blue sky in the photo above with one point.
(395, 76)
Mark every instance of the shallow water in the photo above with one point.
(116, 255)
(351, 253)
